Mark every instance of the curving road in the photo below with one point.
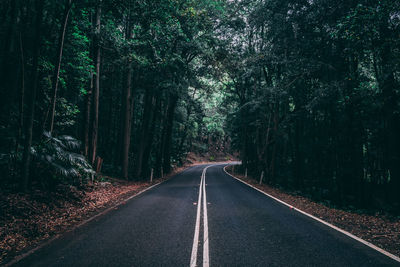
(204, 217)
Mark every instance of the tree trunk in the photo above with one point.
(147, 113)
(6, 73)
(271, 169)
(32, 99)
(21, 106)
(127, 122)
(298, 155)
(127, 109)
(162, 135)
(88, 108)
(184, 136)
(96, 88)
(57, 65)
(149, 145)
(168, 142)
(21, 97)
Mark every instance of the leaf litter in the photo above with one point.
(382, 230)
(26, 220)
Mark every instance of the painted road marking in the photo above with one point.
(206, 258)
(384, 252)
(195, 246)
(202, 194)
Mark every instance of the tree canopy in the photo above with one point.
(306, 91)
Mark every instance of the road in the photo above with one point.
(227, 224)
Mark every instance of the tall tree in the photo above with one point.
(96, 86)
(127, 103)
(26, 161)
(57, 65)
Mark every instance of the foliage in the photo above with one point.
(56, 158)
(307, 91)
(166, 49)
(316, 90)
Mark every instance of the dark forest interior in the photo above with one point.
(305, 92)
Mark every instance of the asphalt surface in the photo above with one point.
(245, 228)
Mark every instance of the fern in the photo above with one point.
(58, 155)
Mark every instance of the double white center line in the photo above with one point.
(202, 193)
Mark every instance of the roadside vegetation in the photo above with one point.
(316, 88)
(118, 87)
(375, 226)
(305, 93)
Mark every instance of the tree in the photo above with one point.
(96, 82)
(26, 161)
(127, 101)
(52, 107)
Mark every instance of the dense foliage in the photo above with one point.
(307, 90)
(317, 88)
(125, 77)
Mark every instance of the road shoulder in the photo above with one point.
(376, 231)
(33, 221)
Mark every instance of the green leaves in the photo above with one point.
(59, 159)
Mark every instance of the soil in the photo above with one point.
(382, 230)
(196, 158)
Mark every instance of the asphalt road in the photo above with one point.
(228, 224)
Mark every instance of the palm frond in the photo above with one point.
(58, 154)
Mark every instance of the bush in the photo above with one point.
(57, 159)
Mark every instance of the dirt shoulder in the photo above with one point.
(27, 220)
(381, 230)
(30, 220)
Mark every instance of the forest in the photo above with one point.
(305, 91)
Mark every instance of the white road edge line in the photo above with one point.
(193, 258)
(384, 252)
(206, 257)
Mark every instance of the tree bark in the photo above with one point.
(147, 114)
(127, 123)
(127, 104)
(96, 88)
(168, 142)
(162, 135)
(7, 69)
(32, 100)
(86, 131)
(149, 145)
(188, 113)
(22, 96)
(57, 65)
